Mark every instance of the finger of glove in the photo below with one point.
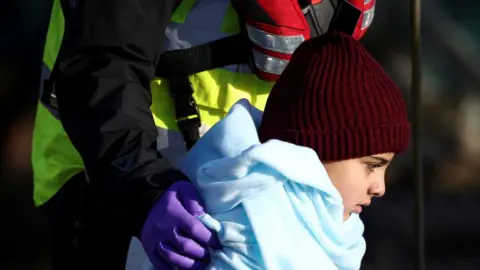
(187, 246)
(171, 255)
(195, 229)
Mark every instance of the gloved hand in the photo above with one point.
(172, 236)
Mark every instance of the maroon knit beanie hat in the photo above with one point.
(335, 98)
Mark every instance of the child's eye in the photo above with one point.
(373, 166)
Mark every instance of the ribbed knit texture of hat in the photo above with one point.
(335, 98)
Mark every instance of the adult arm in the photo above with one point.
(102, 81)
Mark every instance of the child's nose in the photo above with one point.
(377, 188)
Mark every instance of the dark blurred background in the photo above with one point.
(451, 137)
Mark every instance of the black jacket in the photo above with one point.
(102, 82)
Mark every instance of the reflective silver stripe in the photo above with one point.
(269, 64)
(276, 43)
(368, 17)
(366, 2)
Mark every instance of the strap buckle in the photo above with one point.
(188, 119)
(48, 95)
(187, 113)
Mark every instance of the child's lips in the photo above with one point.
(358, 209)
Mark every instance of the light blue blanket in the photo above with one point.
(272, 204)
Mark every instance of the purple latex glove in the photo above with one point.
(172, 235)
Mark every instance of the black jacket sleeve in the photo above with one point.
(102, 82)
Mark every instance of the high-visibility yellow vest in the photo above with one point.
(54, 158)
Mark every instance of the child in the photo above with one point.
(284, 190)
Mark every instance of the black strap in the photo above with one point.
(186, 110)
(319, 15)
(345, 18)
(219, 53)
(177, 65)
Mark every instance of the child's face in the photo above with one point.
(358, 180)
